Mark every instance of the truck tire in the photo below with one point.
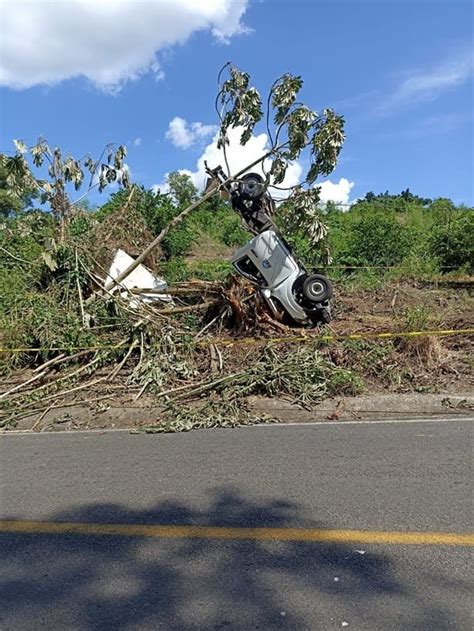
(317, 288)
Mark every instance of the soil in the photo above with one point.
(382, 309)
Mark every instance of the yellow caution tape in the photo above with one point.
(328, 338)
(264, 340)
(38, 349)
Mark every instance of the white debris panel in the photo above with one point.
(140, 278)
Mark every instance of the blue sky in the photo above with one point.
(401, 72)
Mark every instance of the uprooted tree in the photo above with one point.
(293, 129)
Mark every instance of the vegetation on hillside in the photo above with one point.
(44, 285)
(60, 322)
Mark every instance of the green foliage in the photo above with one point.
(12, 202)
(13, 282)
(375, 360)
(8, 204)
(414, 236)
(296, 126)
(415, 266)
(361, 279)
(284, 94)
(209, 270)
(219, 221)
(301, 373)
(302, 246)
(227, 412)
(441, 207)
(417, 318)
(22, 243)
(376, 238)
(79, 225)
(301, 215)
(178, 270)
(175, 270)
(233, 234)
(157, 210)
(452, 239)
(63, 173)
(241, 104)
(179, 241)
(181, 189)
(42, 320)
(25, 234)
(399, 202)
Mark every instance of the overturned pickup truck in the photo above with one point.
(267, 260)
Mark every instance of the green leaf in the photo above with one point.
(283, 95)
(312, 174)
(327, 141)
(49, 260)
(89, 164)
(278, 171)
(242, 105)
(20, 146)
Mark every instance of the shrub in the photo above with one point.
(220, 222)
(452, 240)
(376, 238)
(210, 270)
(80, 225)
(174, 270)
(415, 266)
(233, 234)
(417, 318)
(179, 241)
(41, 320)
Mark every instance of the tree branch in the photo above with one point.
(149, 249)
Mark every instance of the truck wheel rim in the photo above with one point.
(316, 289)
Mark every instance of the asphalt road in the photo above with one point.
(408, 477)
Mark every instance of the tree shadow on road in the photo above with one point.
(90, 582)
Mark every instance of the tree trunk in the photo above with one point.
(115, 281)
(141, 257)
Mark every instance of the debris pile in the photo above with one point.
(145, 340)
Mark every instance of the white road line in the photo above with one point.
(431, 419)
(136, 430)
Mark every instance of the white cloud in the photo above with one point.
(107, 41)
(426, 85)
(183, 134)
(137, 142)
(414, 87)
(338, 192)
(238, 158)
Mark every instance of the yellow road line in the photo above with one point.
(236, 533)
